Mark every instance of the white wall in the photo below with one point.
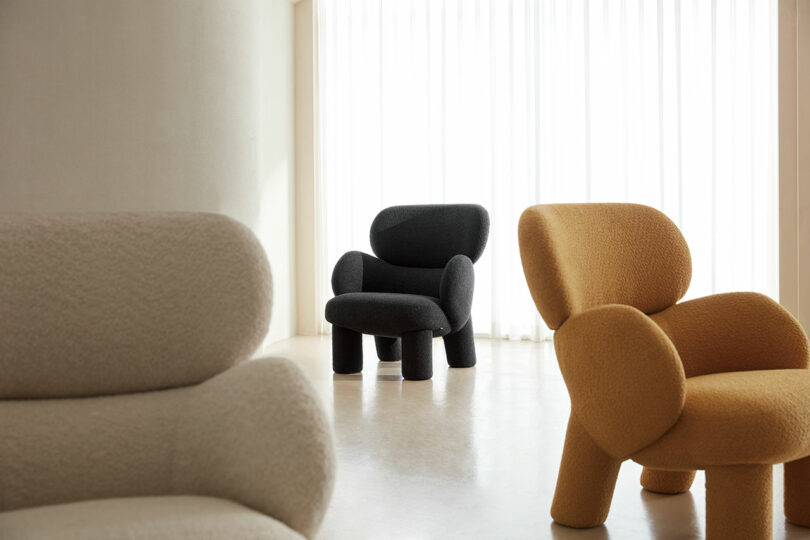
(153, 105)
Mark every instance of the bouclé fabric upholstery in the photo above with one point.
(384, 314)
(719, 383)
(144, 518)
(107, 303)
(419, 286)
(629, 254)
(429, 235)
(161, 437)
(635, 398)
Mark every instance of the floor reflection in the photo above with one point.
(666, 513)
(560, 532)
(406, 427)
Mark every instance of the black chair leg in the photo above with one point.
(460, 347)
(388, 349)
(347, 350)
(417, 355)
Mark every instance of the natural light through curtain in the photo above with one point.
(512, 103)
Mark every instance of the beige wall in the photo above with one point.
(794, 157)
(307, 210)
(153, 105)
(803, 155)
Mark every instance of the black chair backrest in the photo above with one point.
(428, 236)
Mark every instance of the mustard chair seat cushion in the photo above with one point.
(737, 418)
(155, 518)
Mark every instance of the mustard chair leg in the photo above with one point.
(586, 481)
(739, 501)
(667, 482)
(797, 492)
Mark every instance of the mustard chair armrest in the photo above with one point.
(623, 374)
(257, 434)
(734, 332)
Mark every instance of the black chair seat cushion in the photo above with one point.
(387, 314)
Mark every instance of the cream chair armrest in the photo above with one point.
(740, 331)
(623, 374)
(257, 434)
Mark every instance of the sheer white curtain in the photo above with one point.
(509, 103)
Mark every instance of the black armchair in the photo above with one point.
(420, 287)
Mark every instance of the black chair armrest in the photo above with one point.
(347, 276)
(456, 290)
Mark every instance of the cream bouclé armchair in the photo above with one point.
(718, 383)
(127, 406)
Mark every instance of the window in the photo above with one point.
(511, 103)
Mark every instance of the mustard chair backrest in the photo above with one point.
(578, 256)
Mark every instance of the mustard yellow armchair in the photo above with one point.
(719, 383)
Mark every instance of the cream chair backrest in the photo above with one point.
(99, 304)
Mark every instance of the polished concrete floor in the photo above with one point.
(472, 453)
